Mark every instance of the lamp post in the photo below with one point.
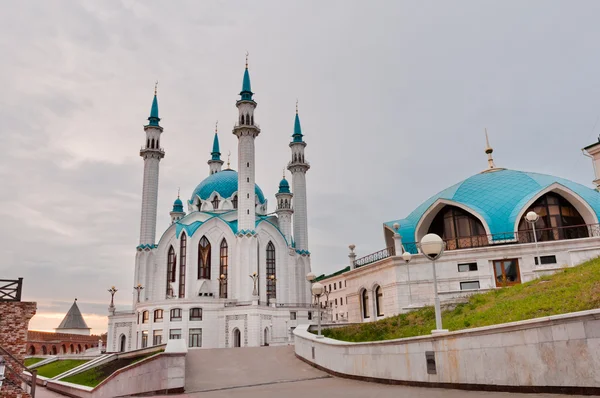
(532, 217)
(139, 288)
(223, 285)
(317, 290)
(112, 292)
(254, 277)
(270, 278)
(406, 256)
(432, 247)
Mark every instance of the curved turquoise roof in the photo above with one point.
(178, 206)
(297, 130)
(284, 186)
(498, 197)
(246, 92)
(154, 119)
(225, 183)
(216, 152)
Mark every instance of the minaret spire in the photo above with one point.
(489, 150)
(215, 163)
(298, 167)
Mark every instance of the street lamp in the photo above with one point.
(532, 217)
(112, 292)
(406, 256)
(317, 290)
(254, 277)
(432, 247)
(272, 280)
(223, 284)
(139, 288)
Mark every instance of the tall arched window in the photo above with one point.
(171, 266)
(365, 304)
(271, 291)
(235, 202)
(215, 202)
(458, 228)
(223, 263)
(379, 301)
(204, 259)
(182, 264)
(558, 219)
(152, 145)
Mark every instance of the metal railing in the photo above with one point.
(31, 383)
(10, 290)
(373, 257)
(512, 238)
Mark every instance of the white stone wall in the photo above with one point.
(553, 352)
(149, 201)
(300, 211)
(246, 182)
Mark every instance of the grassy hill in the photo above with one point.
(574, 289)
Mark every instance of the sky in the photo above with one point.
(393, 98)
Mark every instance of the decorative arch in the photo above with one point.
(223, 268)
(236, 337)
(235, 201)
(171, 267)
(458, 228)
(215, 202)
(53, 350)
(44, 350)
(266, 336)
(378, 298)
(85, 347)
(204, 255)
(71, 349)
(63, 349)
(122, 342)
(365, 304)
(424, 223)
(31, 350)
(271, 271)
(78, 348)
(583, 208)
(182, 263)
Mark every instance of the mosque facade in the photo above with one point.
(489, 243)
(226, 272)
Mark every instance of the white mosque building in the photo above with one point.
(226, 273)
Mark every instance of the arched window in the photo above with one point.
(365, 304)
(223, 263)
(78, 348)
(71, 349)
(145, 316)
(215, 202)
(182, 264)
(247, 118)
(558, 219)
(199, 205)
(152, 145)
(122, 342)
(171, 266)
(235, 202)
(148, 143)
(31, 350)
(271, 291)
(63, 349)
(237, 338)
(379, 301)
(204, 259)
(241, 119)
(54, 350)
(458, 228)
(45, 350)
(252, 120)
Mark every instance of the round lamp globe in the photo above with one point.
(310, 277)
(317, 289)
(432, 245)
(531, 216)
(406, 256)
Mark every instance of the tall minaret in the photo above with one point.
(215, 161)
(246, 131)
(152, 154)
(298, 167)
(284, 209)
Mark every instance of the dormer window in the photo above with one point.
(215, 202)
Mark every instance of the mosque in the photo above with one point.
(490, 242)
(226, 273)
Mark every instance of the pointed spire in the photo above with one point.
(489, 150)
(216, 153)
(154, 119)
(297, 129)
(73, 319)
(246, 92)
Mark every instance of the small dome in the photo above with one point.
(225, 183)
(284, 186)
(178, 206)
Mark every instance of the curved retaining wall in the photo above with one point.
(559, 354)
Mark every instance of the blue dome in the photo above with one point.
(178, 206)
(225, 183)
(284, 186)
(498, 197)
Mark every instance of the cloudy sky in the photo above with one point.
(394, 97)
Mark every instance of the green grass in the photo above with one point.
(31, 361)
(94, 376)
(570, 290)
(57, 367)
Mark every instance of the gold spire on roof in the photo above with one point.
(178, 192)
(284, 173)
(489, 150)
(228, 155)
(155, 87)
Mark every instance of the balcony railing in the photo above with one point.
(10, 290)
(542, 234)
(373, 257)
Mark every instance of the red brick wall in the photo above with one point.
(59, 343)
(14, 321)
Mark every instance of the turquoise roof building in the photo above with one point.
(225, 183)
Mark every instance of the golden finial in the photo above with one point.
(155, 87)
(296, 106)
(284, 173)
(228, 156)
(178, 192)
(488, 151)
(216, 126)
(247, 53)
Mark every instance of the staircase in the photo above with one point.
(12, 382)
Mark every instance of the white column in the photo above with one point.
(246, 183)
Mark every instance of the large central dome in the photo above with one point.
(225, 183)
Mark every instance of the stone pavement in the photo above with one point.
(43, 392)
(265, 372)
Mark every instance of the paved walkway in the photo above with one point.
(265, 372)
(43, 392)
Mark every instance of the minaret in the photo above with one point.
(177, 213)
(488, 151)
(284, 209)
(152, 154)
(215, 161)
(246, 131)
(298, 167)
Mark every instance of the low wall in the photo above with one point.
(558, 354)
(160, 374)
